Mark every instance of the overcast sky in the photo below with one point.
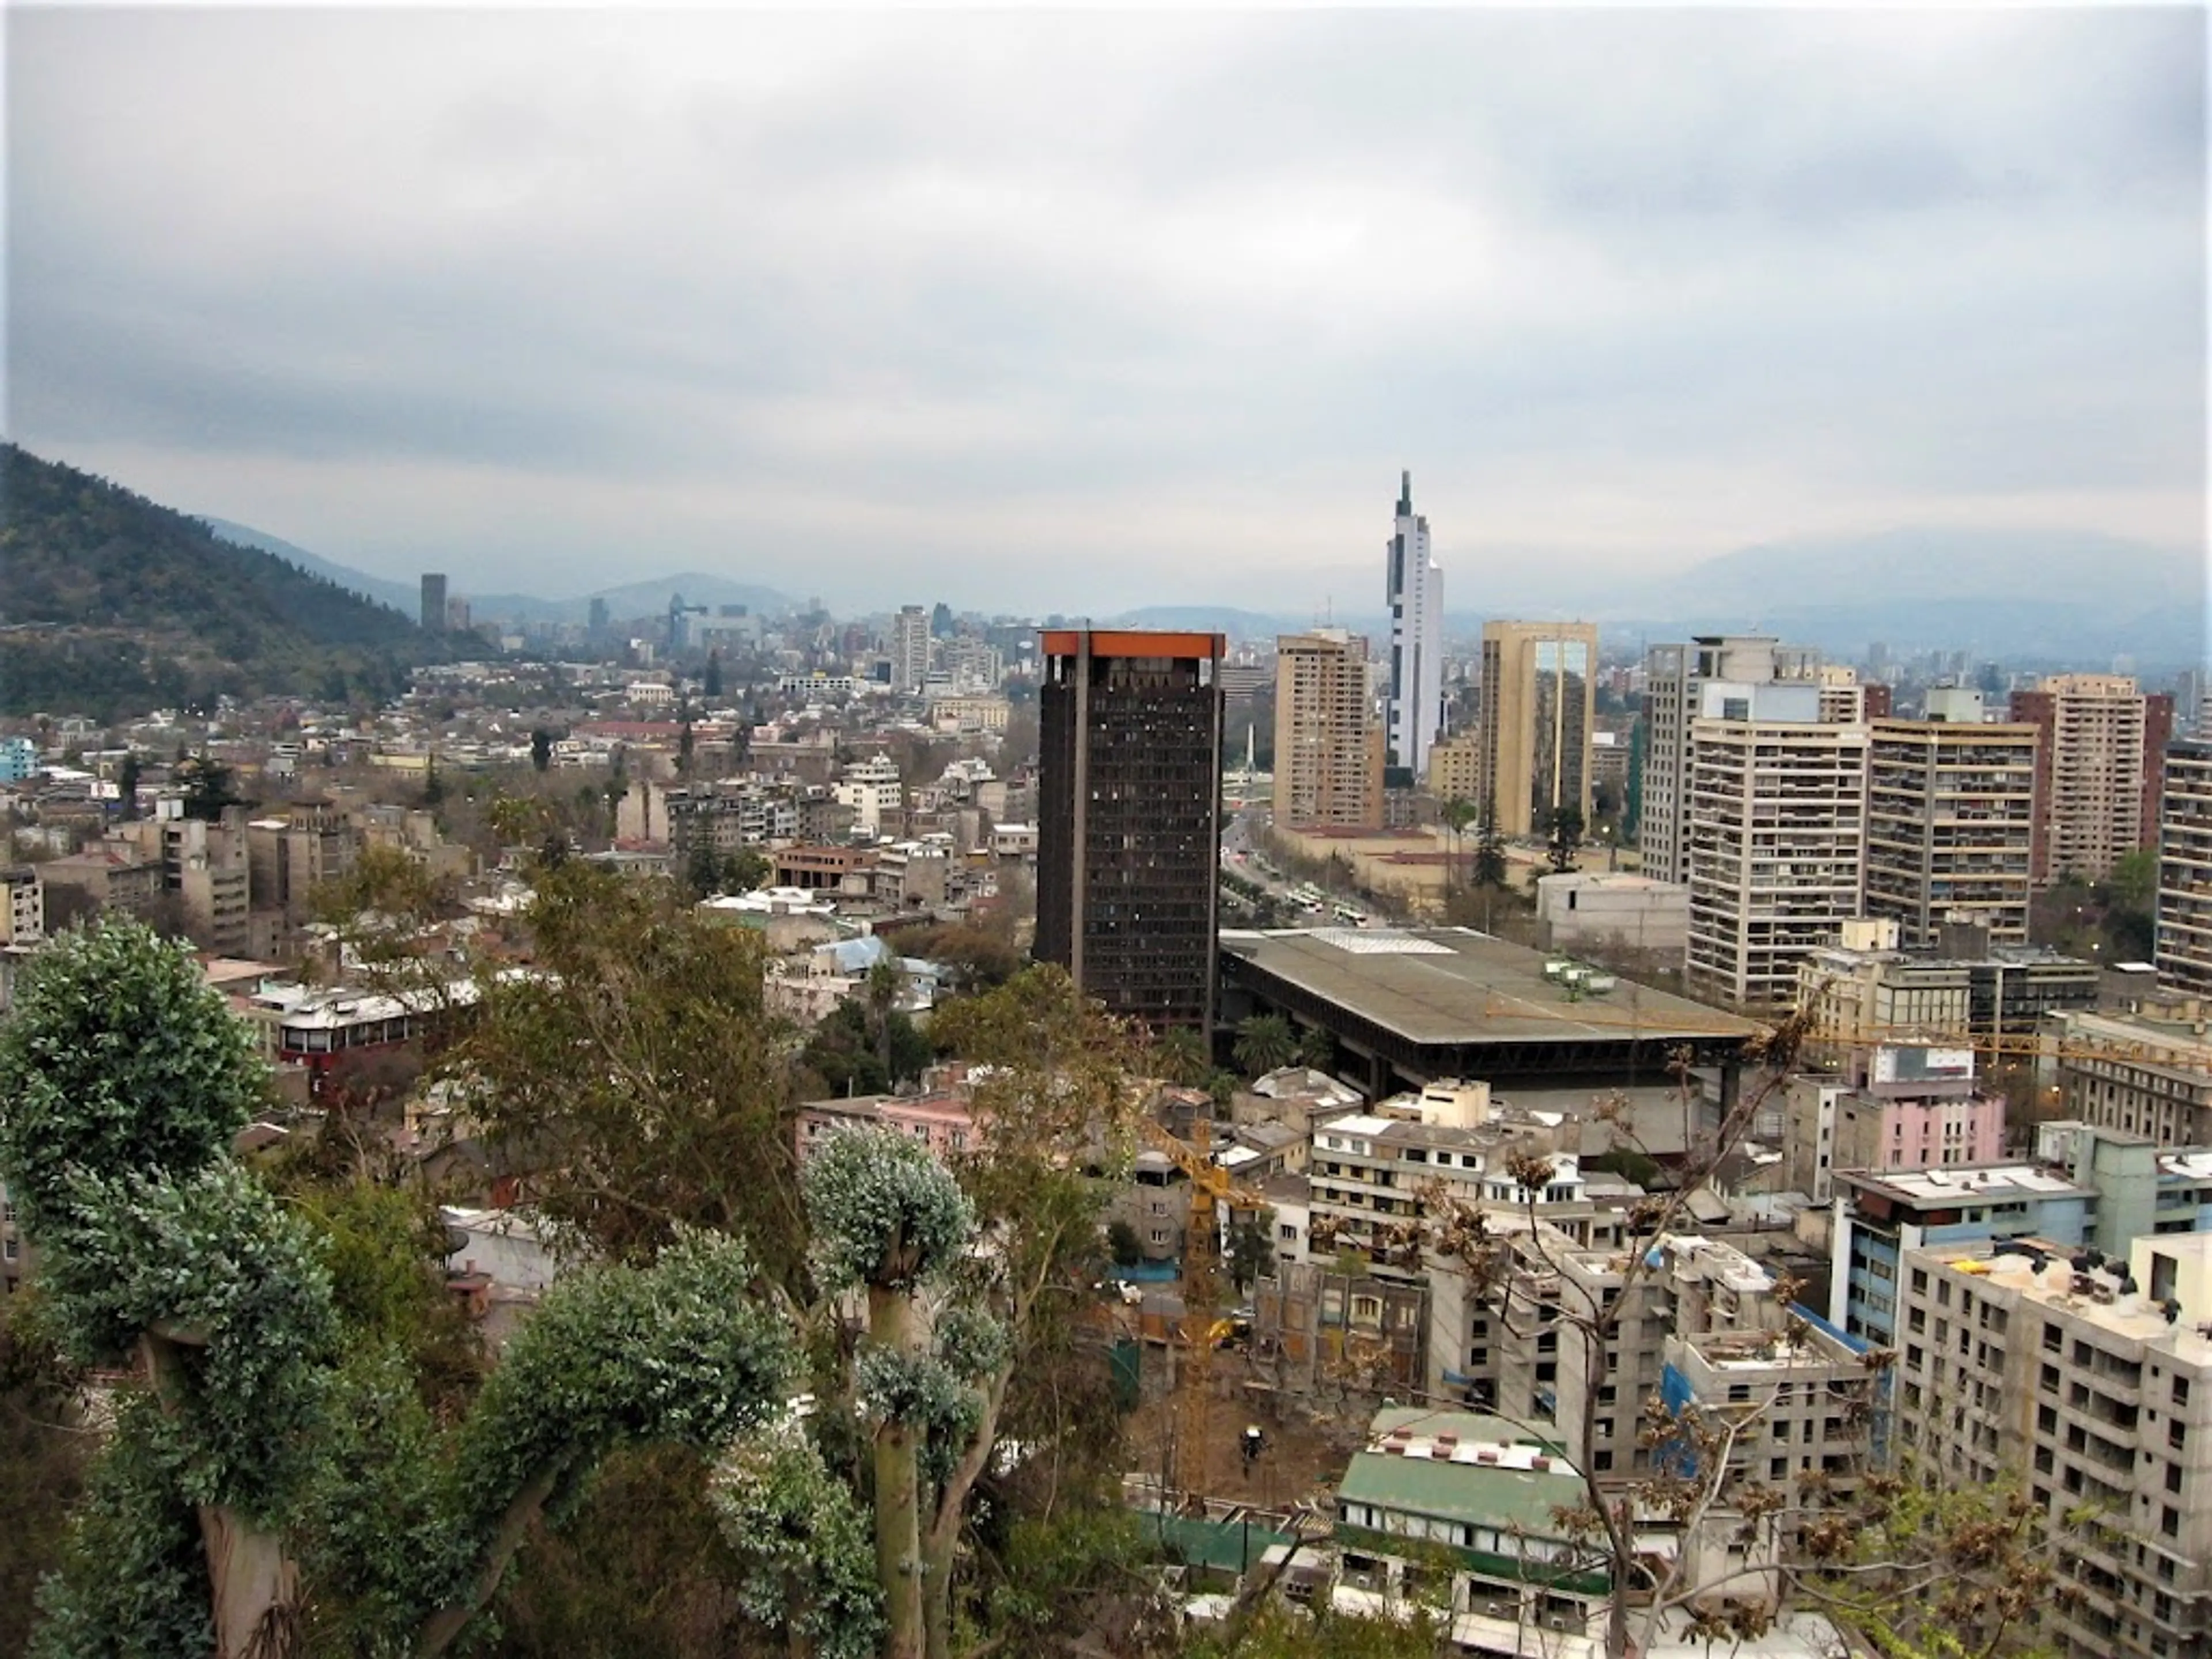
(1086, 312)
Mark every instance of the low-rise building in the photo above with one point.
(23, 918)
(1583, 909)
(1894, 1106)
(2147, 1073)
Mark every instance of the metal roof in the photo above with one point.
(1461, 985)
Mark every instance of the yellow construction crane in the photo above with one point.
(1211, 1189)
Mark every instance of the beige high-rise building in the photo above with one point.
(1328, 744)
(2100, 771)
(1539, 707)
(2183, 952)
(1950, 826)
(1777, 814)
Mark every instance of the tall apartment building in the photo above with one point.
(206, 865)
(1675, 680)
(1539, 707)
(909, 649)
(2092, 1382)
(2099, 766)
(2184, 953)
(1129, 818)
(433, 618)
(1328, 748)
(1776, 842)
(1415, 592)
(1950, 827)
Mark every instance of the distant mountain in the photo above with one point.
(2014, 594)
(634, 599)
(111, 604)
(400, 596)
(1238, 625)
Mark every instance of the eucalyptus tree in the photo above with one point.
(263, 1485)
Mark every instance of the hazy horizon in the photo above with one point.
(1087, 312)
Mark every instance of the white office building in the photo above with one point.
(1777, 843)
(1415, 706)
(1674, 678)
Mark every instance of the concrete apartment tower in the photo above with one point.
(1129, 818)
(1328, 747)
(1950, 821)
(1777, 839)
(1415, 708)
(2184, 869)
(1539, 707)
(2100, 767)
(910, 649)
(1674, 678)
(434, 602)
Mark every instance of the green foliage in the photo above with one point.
(1180, 1056)
(132, 1578)
(683, 1353)
(1280, 1631)
(1316, 1049)
(1252, 1249)
(138, 606)
(214, 1258)
(1123, 1244)
(1565, 832)
(1265, 1043)
(886, 1214)
(845, 1050)
(809, 1565)
(635, 1075)
(44, 1458)
(119, 1057)
(639, 1568)
(1924, 1571)
(1072, 1556)
(972, 959)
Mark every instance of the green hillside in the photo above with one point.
(111, 605)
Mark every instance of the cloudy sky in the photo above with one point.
(1090, 311)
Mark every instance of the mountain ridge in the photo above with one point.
(115, 603)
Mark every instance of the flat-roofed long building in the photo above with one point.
(1129, 822)
(1411, 1006)
(1950, 827)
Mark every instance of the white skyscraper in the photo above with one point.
(910, 649)
(1416, 705)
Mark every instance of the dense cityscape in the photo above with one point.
(661, 1081)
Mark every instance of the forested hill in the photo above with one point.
(111, 605)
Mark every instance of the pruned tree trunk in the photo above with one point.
(253, 1586)
(256, 1587)
(891, 1324)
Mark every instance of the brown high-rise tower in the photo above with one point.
(1130, 820)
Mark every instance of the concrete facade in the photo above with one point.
(1950, 826)
(1328, 746)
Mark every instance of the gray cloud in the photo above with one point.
(1087, 310)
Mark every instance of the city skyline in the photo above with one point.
(839, 304)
